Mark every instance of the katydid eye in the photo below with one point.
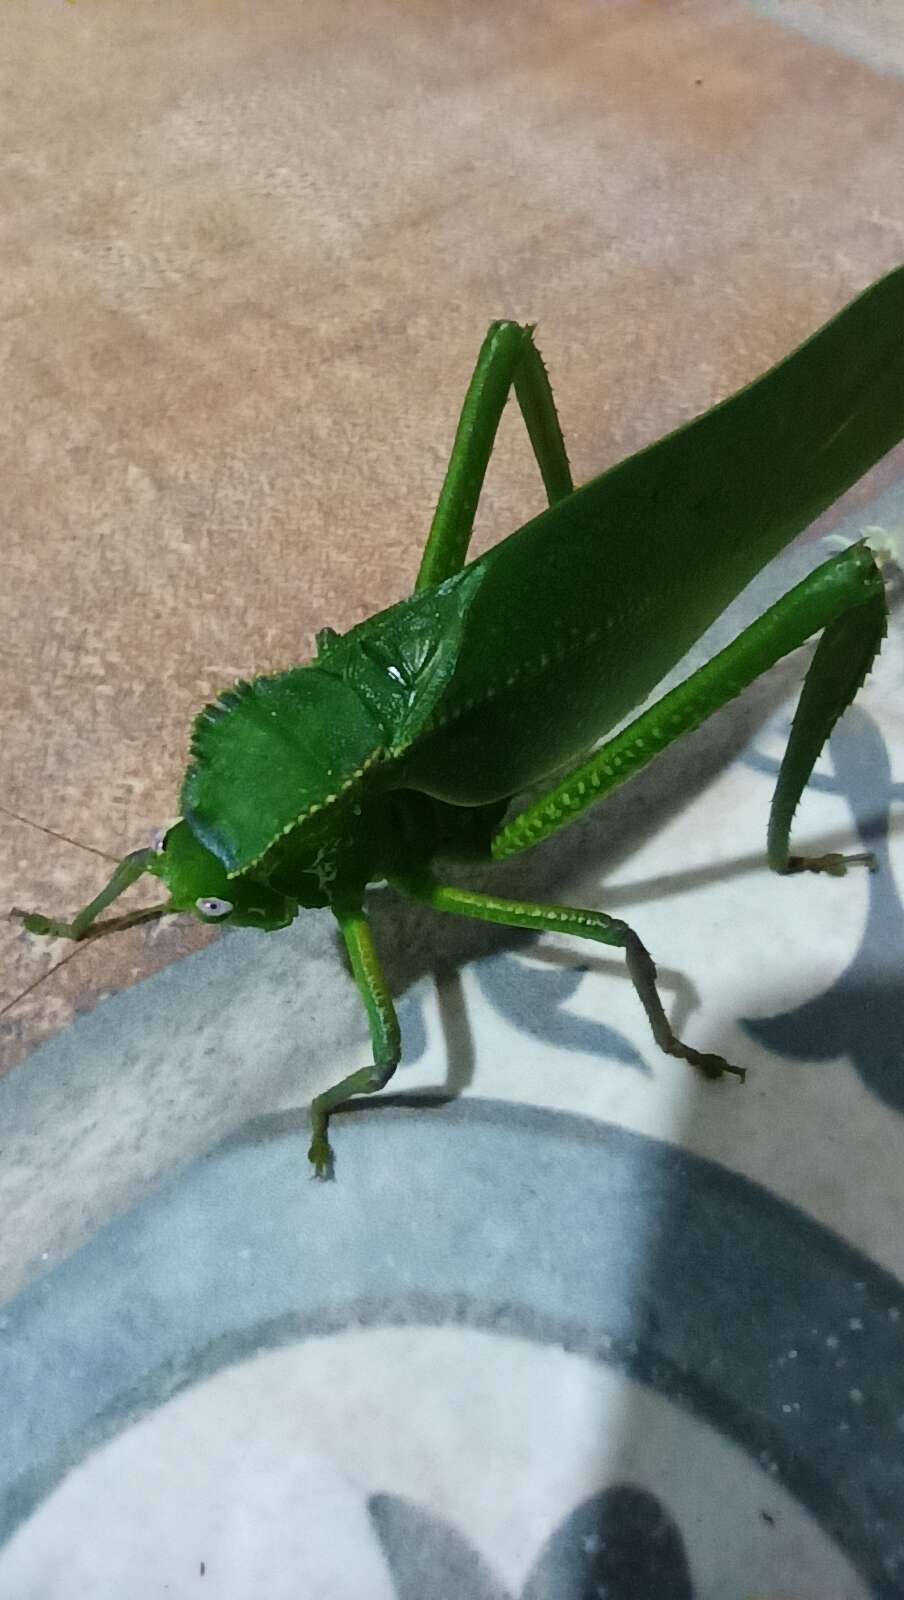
(158, 840)
(212, 907)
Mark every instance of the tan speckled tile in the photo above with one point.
(247, 254)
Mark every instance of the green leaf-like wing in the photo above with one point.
(270, 754)
(583, 611)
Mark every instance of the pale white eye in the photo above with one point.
(158, 840)
(212, 907)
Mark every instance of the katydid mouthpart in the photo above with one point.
(406, 741)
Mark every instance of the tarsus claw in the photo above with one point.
(833, 863)
(712, 1066)
(33, 921)
(321, 1156)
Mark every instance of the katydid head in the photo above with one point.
(197, 883)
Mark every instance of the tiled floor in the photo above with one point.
(247, 259)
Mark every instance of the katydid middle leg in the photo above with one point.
(508, 358)
(583, 924)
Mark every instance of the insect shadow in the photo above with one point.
(860, 1014)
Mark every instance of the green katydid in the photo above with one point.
(405, 741)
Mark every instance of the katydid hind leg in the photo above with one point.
(844, 599)
(384, 1030)
(508, 359)
(583, 924)
(843, 658)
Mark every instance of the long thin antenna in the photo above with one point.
(130, 919)
(78, 844)
(42, 979)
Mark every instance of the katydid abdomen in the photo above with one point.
(582, 612)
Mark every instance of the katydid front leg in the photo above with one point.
(583, 924)
(384, 1031)
(82, 925)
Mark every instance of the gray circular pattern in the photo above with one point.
(669, 1267)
